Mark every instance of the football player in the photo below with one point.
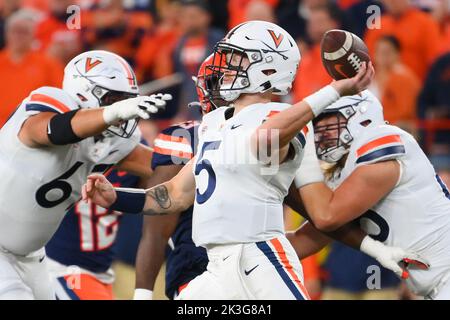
(169, 236)
(309, 240)
(184, 260)
(174, 147)
(248, 155)
(379, 175)
(49, 145)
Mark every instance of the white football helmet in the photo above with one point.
(273, 57)
(100, 78)
(359, 111)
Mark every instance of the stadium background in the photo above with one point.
(166, 40)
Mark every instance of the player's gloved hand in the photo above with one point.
(99, 190)
(139, 107)
(391, 257)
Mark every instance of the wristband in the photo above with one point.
(129, 200)
(143, 294)
(321, 99)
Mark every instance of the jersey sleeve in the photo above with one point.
(299, 141)
(48, 99)
(304, 135)
(175, 145)
(276, 108)
(379, 144)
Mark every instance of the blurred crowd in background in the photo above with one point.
(166, 41)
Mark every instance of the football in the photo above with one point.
(343, 53)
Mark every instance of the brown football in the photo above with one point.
(342, 53)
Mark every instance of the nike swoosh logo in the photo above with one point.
(338, 68)
(249, 271)
(114, 151)
(41, 259)
(234, 126)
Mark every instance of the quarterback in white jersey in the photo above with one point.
(223, 165)
(247, 158)
(381, 177)
(52, 142)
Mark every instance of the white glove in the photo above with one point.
(390, 257)
(309, 171)
(142, 294)
(139, 107)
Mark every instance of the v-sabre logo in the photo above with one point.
(276, 39)
(90, 64)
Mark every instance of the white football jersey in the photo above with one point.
(239, 199)
(415, 215)
(38, 185)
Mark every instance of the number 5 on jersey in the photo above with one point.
(205, 164)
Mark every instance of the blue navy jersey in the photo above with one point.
(184, 261)
(175, 145)
(353, 276)
(87, 234)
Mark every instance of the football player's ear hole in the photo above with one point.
(366, 123)
(269, 72)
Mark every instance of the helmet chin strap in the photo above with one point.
(334, 155)
(227, 94)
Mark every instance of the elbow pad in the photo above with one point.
(59, 129)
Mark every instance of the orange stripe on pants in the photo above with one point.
(287, 265)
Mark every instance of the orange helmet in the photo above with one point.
(207, 84)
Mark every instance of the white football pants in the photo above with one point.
(262, 270)
(25, 277)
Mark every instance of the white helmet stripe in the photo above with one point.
(331, 56)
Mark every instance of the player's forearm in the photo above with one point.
(164, 199)
(317, 198)
(88, 123)
(288, 123)
(350, 234)
(307, 240)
